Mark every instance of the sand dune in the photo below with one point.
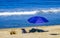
(52, 32)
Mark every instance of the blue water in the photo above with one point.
(18, 21)
(8, 4)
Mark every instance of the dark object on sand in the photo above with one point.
(32, 30)
(40, 30)
(24, 31)
(37, 19)
(54, 34)
(36, 30)
(12, 33)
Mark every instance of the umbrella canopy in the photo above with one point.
(37, 19)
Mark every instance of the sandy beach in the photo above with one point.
(52, 32)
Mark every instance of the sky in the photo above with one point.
(10, 4)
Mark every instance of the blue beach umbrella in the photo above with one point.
(37, 19)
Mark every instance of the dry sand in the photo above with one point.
(53, 32)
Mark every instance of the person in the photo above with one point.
(32, 30)
(24, 31)
(36, 30)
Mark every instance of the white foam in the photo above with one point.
(18, 13)
(45, 10)
(53, 10)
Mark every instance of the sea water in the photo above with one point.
(22, 20)
(12, 21)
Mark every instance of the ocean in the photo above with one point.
(15, 21)
(8, 19)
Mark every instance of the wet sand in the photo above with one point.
(53, 32)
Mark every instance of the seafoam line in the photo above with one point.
(50, 10)
(18, 13)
